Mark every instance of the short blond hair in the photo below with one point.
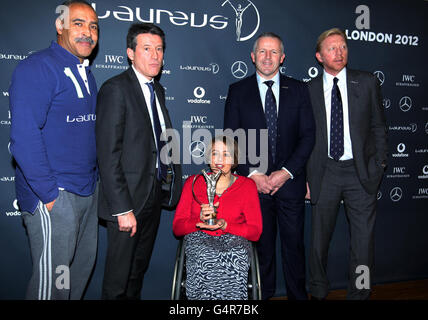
(328, 33)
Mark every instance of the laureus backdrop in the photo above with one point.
(208, 48)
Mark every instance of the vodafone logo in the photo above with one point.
(16, 212)
(199, 94)
(401, 147)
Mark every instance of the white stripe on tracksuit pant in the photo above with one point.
(63, 245)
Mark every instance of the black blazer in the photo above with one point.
(296, 129)
(367, 128)
(126, 148)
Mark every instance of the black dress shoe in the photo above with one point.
(313, 298)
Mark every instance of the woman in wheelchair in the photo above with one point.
(218, 256)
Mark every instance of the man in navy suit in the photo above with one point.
(272, 103)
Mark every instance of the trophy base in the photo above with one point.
(211, 222)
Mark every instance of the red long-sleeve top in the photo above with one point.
(239, 206)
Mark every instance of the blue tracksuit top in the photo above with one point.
(52, 127)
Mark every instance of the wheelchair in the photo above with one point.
(178, 291)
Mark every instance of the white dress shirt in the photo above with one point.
(328, 85)
(146, 92)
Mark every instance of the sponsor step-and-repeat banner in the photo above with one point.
(208, 46)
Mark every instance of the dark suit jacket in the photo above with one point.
(367, 128)
(296, 128)
(126, 148)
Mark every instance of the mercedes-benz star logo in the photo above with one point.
(396, 194)
(239, 69)
(405, 103)
(380, 76)
(197, 149)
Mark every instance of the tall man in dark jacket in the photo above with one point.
(135, 179)
(347, 162)
(280, 105)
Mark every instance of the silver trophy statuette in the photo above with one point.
(211, 181)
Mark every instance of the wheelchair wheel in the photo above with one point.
(254, 283)
(178, 282)
(178, 291)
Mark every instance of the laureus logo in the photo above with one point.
(243, 30)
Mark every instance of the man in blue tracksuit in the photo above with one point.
(52, 101)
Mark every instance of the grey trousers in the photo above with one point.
(340, 182)
(63, 245)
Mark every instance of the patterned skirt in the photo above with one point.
(216, 267)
